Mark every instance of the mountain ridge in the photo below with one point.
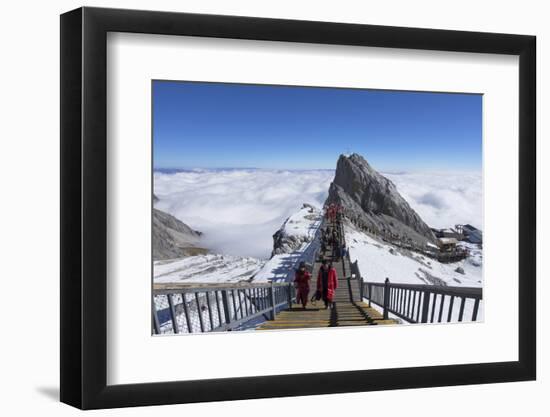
(174, 239)
(372, 202)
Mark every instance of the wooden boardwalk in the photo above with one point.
(348, 310)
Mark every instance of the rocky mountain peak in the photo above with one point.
(372, 201)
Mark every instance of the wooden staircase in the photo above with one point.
(348, 309)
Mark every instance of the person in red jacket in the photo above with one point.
(327, 282)
(301, 281)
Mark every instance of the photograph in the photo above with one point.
(280, 207)
(259, 208)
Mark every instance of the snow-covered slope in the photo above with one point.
(295, 241)
(207, 269)
(238, 210)
(378, 260)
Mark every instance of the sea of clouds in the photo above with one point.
(443, 199)
(239, 210)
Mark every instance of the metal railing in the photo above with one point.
(204, 308)
(422, 303)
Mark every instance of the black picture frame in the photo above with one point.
(84, 207)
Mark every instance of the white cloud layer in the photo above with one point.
(443, 199)
(239, 210)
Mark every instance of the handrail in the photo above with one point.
(418, 303)
(176, 287)
(212, 307)
(200, 308)
(421, 303)
(471, 292)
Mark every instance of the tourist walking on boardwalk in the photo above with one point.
(301, 281)
(327, 282)
(331, 212)
(343, 251)
(336, 251)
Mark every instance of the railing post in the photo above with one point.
(386, 297)
(225, 302)
(199, 312)
(343, 261)
(173, 317)
(186, 313)
(476, 308)
(289, 295)
(209, 305)
(272, 298)
(425, 306)
(156, 324)
(370, 293)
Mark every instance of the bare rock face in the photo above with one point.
(283, 243)
(372, 201)
(173, 238)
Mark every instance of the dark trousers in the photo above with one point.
(325, 298)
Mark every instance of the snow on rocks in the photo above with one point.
(208, 268)
(298, 229)
(379, 260)
(296, 241)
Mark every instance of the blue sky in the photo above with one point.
(216, 125)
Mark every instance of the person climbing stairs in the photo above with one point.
(348, 309)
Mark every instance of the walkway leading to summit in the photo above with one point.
(219, 307)
(348, 310)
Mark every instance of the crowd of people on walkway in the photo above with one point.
(331, 238)
(327, 277)
(333, 212)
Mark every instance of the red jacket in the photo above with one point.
(332, 282)
(302, 279)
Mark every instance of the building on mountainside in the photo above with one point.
(465, 232)
(449, 232)
(472, 234)
(447, 244)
